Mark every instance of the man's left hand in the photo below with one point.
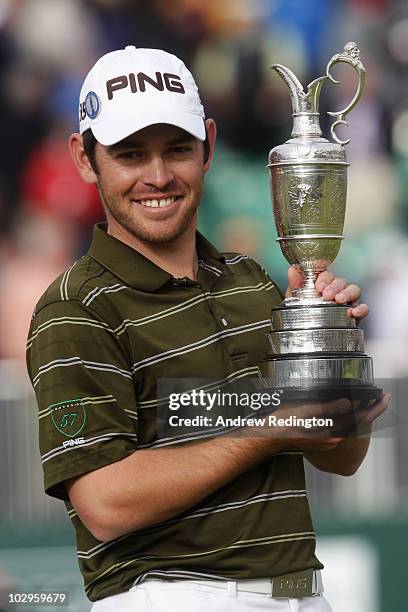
(331, 288)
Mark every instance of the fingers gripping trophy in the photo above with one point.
(315, 349)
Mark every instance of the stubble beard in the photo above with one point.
(127, 221)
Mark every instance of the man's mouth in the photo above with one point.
(155, 203)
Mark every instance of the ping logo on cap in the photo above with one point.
(137, 82)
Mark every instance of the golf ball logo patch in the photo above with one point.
(92, 105)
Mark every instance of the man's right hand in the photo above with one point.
(349, 419)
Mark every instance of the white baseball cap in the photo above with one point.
(129, 89)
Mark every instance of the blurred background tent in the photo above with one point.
(46, 213)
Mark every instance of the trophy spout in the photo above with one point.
(295, 86)
(305, 104)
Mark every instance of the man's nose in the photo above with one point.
(158, 173)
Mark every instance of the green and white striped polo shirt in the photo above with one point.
(102, 335)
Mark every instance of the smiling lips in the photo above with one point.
(162, 203)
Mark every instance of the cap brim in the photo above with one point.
(112, 130)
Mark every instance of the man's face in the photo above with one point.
(151, 183)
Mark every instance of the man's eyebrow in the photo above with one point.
(138, 144)
(183, 139)
(118, 146)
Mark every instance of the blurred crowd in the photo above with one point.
(46, 212)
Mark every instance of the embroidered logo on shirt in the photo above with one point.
(73, 442)
(69, 417)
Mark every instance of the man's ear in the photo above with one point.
(211, 129)
(80, 159)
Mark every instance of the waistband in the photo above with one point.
(307, 583)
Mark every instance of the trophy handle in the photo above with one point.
(351, 55)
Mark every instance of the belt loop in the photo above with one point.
(232, 588)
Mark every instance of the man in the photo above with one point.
(219, 523)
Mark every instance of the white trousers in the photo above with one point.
(197, 596)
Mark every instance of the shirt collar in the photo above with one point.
(207, 251)
(132, 267)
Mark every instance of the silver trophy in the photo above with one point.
(315, 348)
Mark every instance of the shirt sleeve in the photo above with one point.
(85, 393)
(276, 294)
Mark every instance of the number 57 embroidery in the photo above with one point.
(68, 419)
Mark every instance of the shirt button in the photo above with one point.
(224, 322)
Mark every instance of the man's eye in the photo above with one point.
(182, 149)
(131, 155)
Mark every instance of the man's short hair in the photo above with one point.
(89, 142)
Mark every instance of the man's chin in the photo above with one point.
(160, 236)
(160, 239)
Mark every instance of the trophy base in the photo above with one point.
(316, 352)
(321, 378)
